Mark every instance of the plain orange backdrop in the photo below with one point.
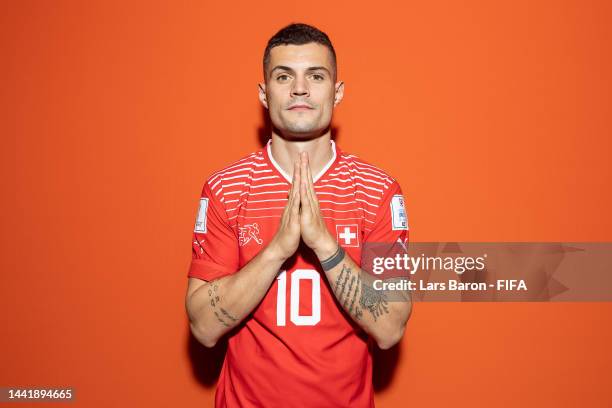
(494, 116)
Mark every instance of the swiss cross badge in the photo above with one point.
(348, 235)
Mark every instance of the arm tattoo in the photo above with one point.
(372, 300)
(345, 293)
(214, 300)
(225, 312)
(346, 298)
(339, 278)
(357, 285)
(220, 319)
(346, 278)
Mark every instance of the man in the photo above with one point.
(277, 246)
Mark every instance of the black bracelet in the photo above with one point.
(333, 260)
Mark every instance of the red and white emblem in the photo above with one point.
(249, 232)
(348, 235)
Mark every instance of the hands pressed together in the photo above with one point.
(302, 218)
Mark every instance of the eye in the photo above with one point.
(281, 76)
(318, 77)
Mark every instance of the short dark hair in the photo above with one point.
(298, 34)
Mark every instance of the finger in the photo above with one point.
(309, 184)
(293, 178)
(298, 177)
(304, 198)
(286, 215)
(311, 189)
(304, 167)
(290, 194)
(295, 196)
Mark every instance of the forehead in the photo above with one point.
(301, 56)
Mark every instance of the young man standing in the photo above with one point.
(277, 248)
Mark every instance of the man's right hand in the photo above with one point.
(287, 237)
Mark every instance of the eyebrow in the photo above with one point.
(285, 68)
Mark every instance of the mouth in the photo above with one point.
(300, 108)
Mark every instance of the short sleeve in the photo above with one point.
(389, 234)
(391, 222)
(214, 243)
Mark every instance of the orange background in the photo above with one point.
(495, 118)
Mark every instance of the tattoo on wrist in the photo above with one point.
(333, 260)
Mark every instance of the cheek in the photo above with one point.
(327, 107)
(274, 107)
(326, 99)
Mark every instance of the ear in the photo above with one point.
(262, 94)
(339, 93)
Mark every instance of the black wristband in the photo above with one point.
(333, 260)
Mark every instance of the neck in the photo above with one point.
(286, 152)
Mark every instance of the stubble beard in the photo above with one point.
(296, 128)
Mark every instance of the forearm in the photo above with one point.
(221, 304)
(380, 317)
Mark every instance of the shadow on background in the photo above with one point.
(385, 363)
(206, 362)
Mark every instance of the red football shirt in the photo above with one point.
(297, 348)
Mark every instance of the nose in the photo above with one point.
(300, 87)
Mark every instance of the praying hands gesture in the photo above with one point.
(302, 218)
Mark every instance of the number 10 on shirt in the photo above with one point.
(281, 299)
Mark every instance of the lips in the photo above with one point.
(300, 107)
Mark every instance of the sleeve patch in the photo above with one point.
(399, 220)
(200, 225)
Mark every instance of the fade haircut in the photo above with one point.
(299, 34)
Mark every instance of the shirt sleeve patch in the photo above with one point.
(200, 225)
(399, 220)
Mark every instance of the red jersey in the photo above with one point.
(297, 348)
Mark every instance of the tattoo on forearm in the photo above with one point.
(348, 292)
(225, 312)
(346, 278)
(349, 286)
(214, 301)
(344, 293)
(357, 285)
(339, 278)
(220, 319)
(373, 301)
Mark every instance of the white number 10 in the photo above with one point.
(281, 301)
